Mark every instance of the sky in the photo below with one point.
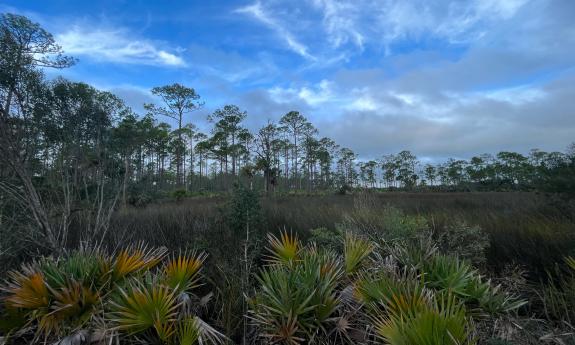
(442, 78)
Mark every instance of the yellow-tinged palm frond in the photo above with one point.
(72, 304)
(27, 290)
(188, 332)
(134, 260)
(441, 322)
(284, 250)
(145, 306)
(356, 249)
(182, 272)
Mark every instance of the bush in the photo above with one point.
(179, 194)
(88, 292)
(387, 224)
(327, 238)
(465, 241)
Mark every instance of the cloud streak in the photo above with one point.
(117, 46)
(257, 11)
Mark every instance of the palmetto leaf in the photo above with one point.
(448, 273)
(72, 304)
(355, 250)
(82, 266)
(296, 301)
(284, 250)
(27, 289)
(188, 332)
(145, 306)
(441, 321)
(135, 259)
(182, 272)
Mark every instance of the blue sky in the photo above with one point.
(441, 78)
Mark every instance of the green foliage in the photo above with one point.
(558, 297)
(243, 210)
(449, 274)
(284, 250)
(355, 251)
(182, 273)
(92, 290)
(327, 238)
(389, 224)
(414, 252)
(143, 306)
(179, 194)
(441, 321)
(296, 298)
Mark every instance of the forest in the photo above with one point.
(125, 228)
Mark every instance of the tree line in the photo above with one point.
(87, 144)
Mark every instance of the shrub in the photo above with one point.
(179, 194)
(439, 321)
(327, 238)
(68, 296)
(387, 224)
(297, 292)
(449, 274)
(465, 241)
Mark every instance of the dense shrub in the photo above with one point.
(139, 292)
(465, 241)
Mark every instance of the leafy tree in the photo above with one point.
(430, 173)
(228, 120)
(25, 47)
(178, 100)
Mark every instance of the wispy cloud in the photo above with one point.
(256, 10)
(362, 22)
(340, 20)
(116, 45)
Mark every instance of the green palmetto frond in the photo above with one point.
(378, 290)
(283, 250)
(182, 272)
(295, 302)
(490, 299)
(144, 306)
(355, 251)
(135, 259)
(82, 266)
(188, 332)
(441, 321)
(449, 273)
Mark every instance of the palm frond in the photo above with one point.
(355, 251)
(135, 259)
(182, 272)
(27, 289)
(145, 306)
(283, 250)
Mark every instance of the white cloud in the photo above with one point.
(384, 22)
(115, 45)
(340, 20)
(313, 96)
(258, 12)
